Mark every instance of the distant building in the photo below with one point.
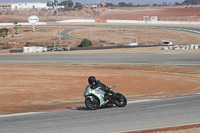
(23, 6)
(5, 6)
(28, 6)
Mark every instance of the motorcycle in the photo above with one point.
(96, 98)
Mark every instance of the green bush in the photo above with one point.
(85, 43)
(3, 32)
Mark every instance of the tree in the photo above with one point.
(109, 5)
(49, 3)
(176, 3)
(147, 5)
(155, 4)
(85, 43)
(191, 2)
(67, 3)
(78, 6)
(122, 4)
(130, 4)
(5, 30)
(16, 29)
(10, 32)
(1, 33)
(54, 3)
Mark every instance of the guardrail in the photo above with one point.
(126, 21)
(107, 21)
(22, 23)
(151, 22)
(77, 21)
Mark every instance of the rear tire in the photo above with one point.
(91, 102)
(120, 100)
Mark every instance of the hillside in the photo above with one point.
(191, 2)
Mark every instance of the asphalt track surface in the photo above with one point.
(109, 59)
(139, 115)
(178, 27)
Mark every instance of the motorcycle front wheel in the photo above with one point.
(120, 100)
(91, 102)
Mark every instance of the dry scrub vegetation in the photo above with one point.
(155, 36)
(48, 36)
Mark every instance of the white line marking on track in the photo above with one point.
(20, 114)
(141, 101)
(129, 102)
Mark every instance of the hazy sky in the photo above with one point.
(113, 1)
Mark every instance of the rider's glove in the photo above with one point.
(109, 91)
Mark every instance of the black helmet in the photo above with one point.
(91, 79)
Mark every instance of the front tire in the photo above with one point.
(120, 100)
(91, 102)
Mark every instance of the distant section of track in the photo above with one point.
(66, 32)
(109, 59)
(175, 27)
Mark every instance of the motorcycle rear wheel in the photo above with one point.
(120, 100)
(92, 103)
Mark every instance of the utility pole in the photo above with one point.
(146, 27)
(59, 37)
(99, 6)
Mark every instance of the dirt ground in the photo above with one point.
(32, 87)
(179, 129)
(45, 15)
(155, 36)
(44, 36)
(48, 36)
(168, 13)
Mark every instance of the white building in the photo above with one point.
(28, 6)
(5, 6)
(33, 49)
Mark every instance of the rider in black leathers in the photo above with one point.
(96, 83)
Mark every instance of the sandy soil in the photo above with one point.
(179, 129)
(171, 13)
(28, 87)
(45, 36)
(48, 36)
(155, 36)
(45, 15)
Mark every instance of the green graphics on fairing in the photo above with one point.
(96, 92)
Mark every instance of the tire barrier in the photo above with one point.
(182, 47)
